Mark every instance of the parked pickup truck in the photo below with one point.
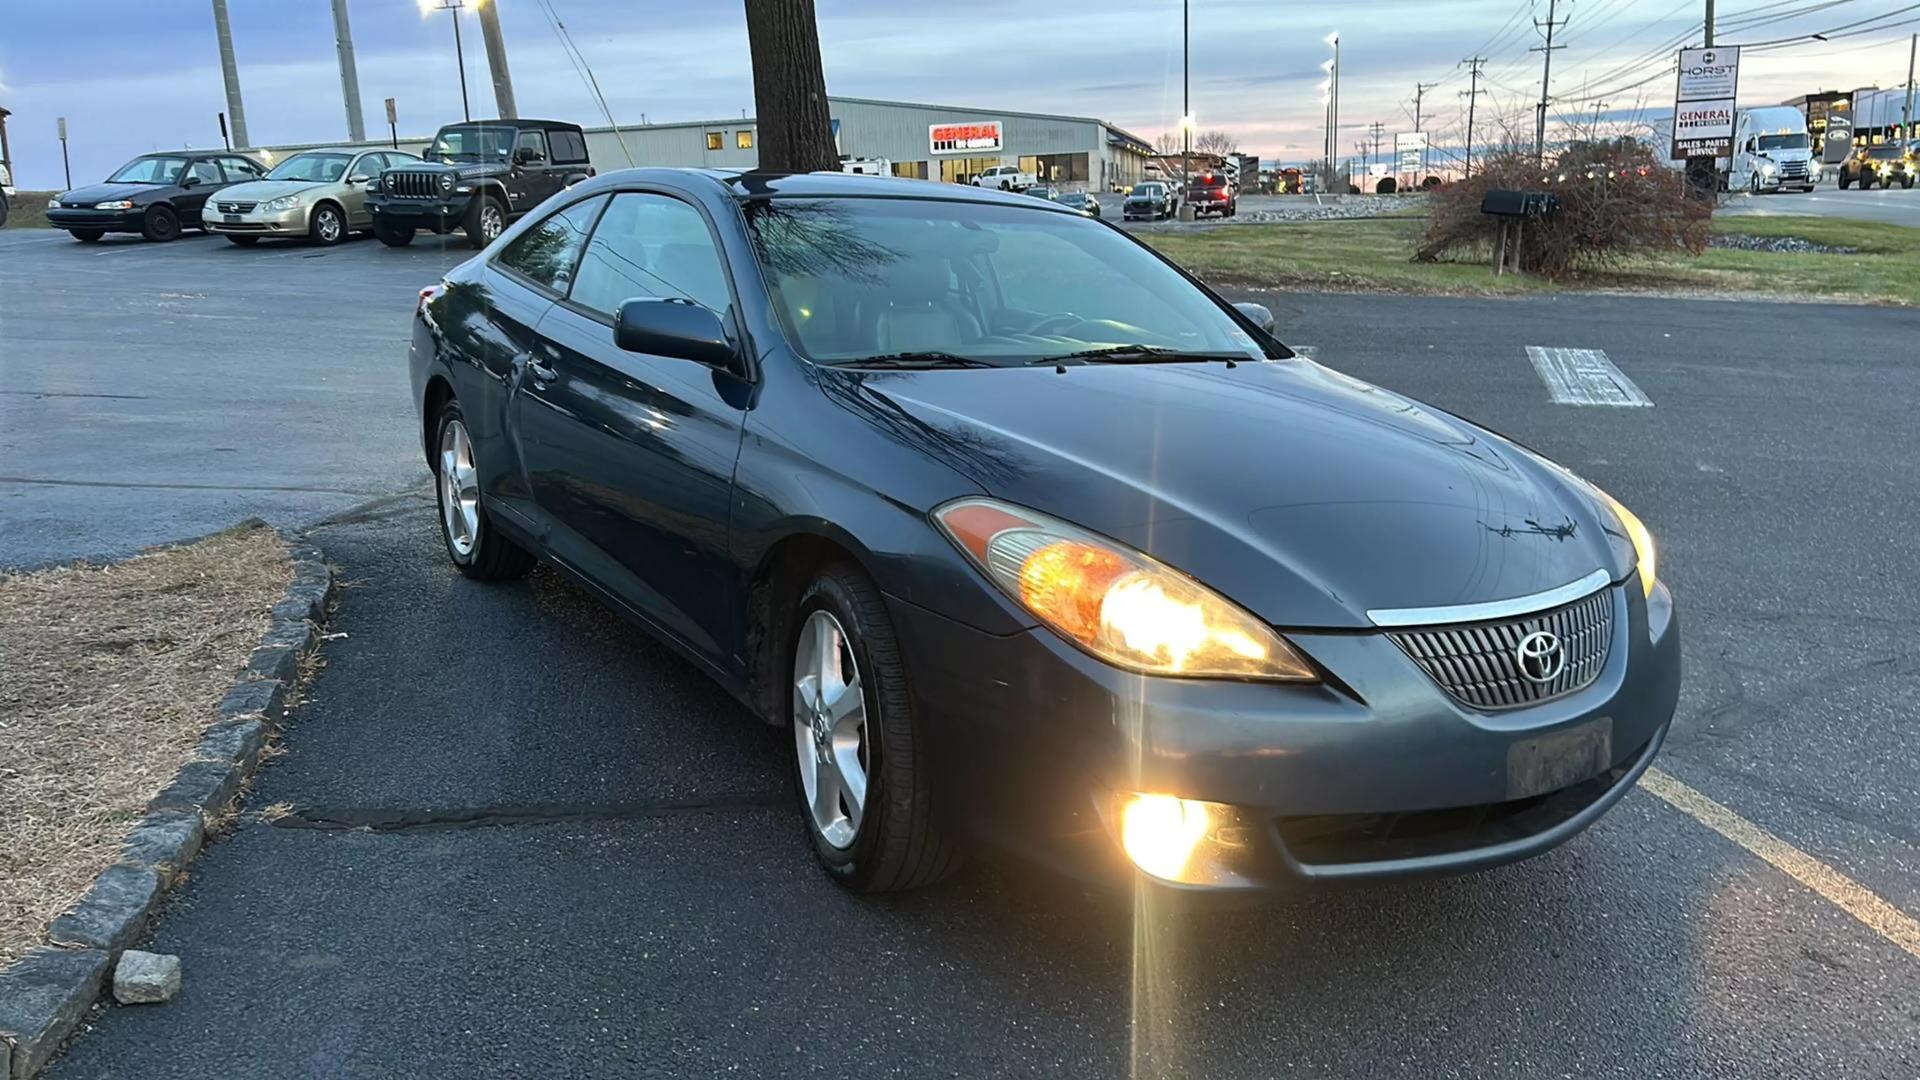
(1006, 178)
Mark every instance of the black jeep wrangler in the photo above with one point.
(476, 177)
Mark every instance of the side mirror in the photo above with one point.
(189, 181)
(527, 155)
(673, 327)
(1262, 317)
(358, 178)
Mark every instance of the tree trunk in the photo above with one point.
(790, 87)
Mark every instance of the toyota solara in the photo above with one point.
(1034, 543)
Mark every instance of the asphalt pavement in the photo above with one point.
(520, 839)
(154, 391)
(1891, 206)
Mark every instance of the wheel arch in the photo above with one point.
(439, 391)
(779, 575)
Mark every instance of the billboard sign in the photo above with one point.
(971, 137)
(1703, 102)
(1410, 147)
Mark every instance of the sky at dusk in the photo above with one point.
(1255, 64)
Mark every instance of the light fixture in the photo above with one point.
(1332, 39)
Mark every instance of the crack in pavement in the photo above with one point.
(376, 819)
(303, 488)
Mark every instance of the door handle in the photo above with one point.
(541, 371)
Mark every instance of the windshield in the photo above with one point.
(854, 278)
(1783, 142)
(476, 142)
(1154, 190)
(321, 168)
(149, 170)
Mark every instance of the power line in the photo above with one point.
(1473, 99)
(1546, 76)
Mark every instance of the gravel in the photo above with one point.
(1778, 243)
(1301, 208)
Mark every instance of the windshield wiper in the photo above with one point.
(1140, 354)
(914, 361)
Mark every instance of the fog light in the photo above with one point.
(1160, 832)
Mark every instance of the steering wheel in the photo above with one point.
(1055, 322)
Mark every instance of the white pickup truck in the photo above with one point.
(1006, 178)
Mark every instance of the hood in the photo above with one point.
(262, 190)
(99, 193)
(460, 169)
(1304, 495)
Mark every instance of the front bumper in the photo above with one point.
(88, 218)
(259, 223)
(1374, 773)
(434, 215)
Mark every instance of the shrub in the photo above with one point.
(1387, 186)
(1616, 201)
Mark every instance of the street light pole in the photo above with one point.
(1186, 99)
(1333, 110)
(459, 51)
(1906, 113)
(230, 72)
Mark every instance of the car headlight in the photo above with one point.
(284, 202)
(389, 181)
(117, 204)
(446, 181)
(1767, 168)
(1118, 604)
(1646, 558)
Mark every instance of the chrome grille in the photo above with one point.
(1476, 662)
(235, 207)
(413, 184)
(1793, 170)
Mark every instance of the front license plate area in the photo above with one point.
(1562, 759)
(232, 219)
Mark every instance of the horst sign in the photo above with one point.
(1703, 106)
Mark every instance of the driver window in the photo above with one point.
(205, 172)
(650, 246)
(535, 141)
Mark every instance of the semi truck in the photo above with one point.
(1772, 151)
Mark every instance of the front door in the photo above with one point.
(527, 181)
(368, 168)
(207, 179)
(630, 456)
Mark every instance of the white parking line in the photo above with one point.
(1585, 377)
(1896, 926)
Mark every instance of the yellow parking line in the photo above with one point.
(1840, 890)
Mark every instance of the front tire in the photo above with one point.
(477, 549)
(860, 773)
(160, 225)
(486, 218)
(393, 235)
(328, 225)
(242, 241)
(87, 236)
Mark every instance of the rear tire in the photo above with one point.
(160, 225)
(476, 548)
(87, 236)
(1906, 183)
(893, 845)
(393, 235)
(242, 241)
(1844, 182)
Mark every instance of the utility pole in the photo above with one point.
(349, 76)
(497, 59)
(236, 114)
(1546, 74)
(1906, 114)
(1420, 95)
(459, 50)
(1473, 98)
(1186, 106)
(1377, 129)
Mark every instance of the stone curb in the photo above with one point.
(46, 994)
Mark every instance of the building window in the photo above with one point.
(743, 140)
(714, 139)
(912, 170)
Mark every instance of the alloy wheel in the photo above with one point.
(327, 225)
(459, 489)
(830, 729)
(490, 223)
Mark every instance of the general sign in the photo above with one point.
(1410, 147)
(1703, 102)
(964, 138)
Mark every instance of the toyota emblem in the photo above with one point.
(1540, 657)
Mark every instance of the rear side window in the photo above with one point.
(650, 246)
(547, 253)
(240, 170)
(568, 146)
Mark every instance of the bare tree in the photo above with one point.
(1216, 142)
(1168, 143)
(790, 87)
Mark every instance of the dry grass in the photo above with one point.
(108, 675)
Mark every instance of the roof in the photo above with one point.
(749, 184)
(518, 121)
(736, 121)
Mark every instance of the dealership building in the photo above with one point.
(928, 142)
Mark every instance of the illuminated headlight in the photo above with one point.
(117, 204)
(284, 202)
(1120, 605)
(1767, 168)
(1646, 558)
(446, 181)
